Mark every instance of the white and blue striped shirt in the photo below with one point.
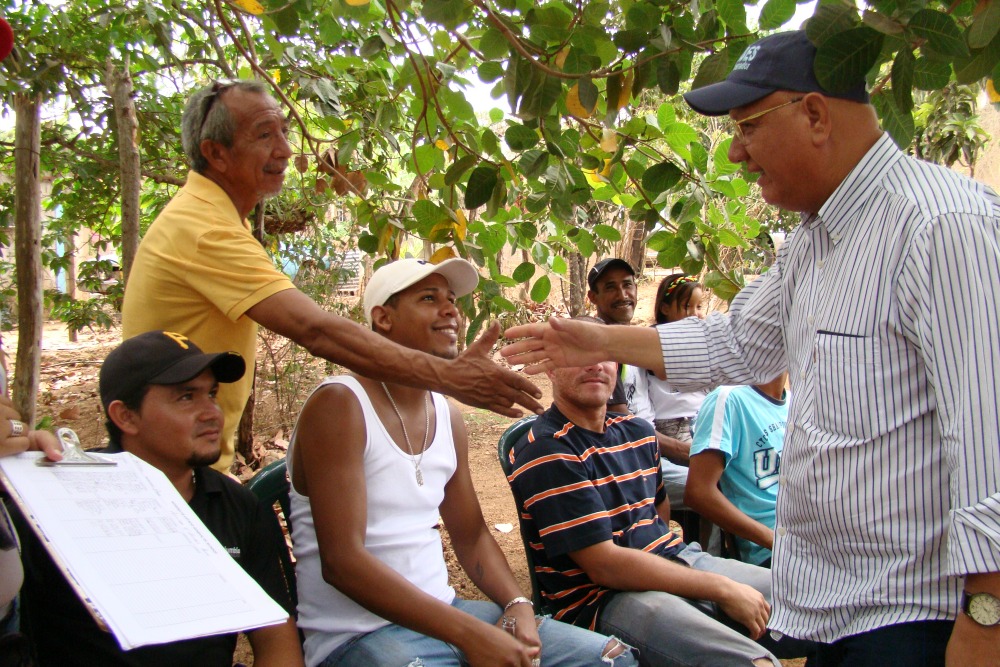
(885, 308)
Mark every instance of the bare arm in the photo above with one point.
(702, 494)
(276, 645)
(560, 343)
(625, 569)
(677, 451)
(329, 469)
(472, 378)
(476, 549)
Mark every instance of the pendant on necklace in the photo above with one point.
(420, 477)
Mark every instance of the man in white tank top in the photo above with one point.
(373, 466)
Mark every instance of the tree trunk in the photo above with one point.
(637, 246)
(577, 284)
(244, 434)
(119, 85)
(71, 277)
(28, 250)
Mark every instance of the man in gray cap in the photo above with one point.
(883, 306)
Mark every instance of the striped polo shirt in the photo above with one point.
(885, 308)
(577, 488)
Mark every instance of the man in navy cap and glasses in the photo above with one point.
(883, 307)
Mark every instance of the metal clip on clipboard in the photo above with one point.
(73, 453)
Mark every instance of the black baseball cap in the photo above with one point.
(779, 62)
(604, 265)
(161, 357)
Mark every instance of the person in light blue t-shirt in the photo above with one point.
(735, 463)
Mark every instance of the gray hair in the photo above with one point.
(217, 126)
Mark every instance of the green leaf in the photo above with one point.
(661, 177)
(882, 23)
(679, 137)
(940, 31)
(929, 74)
(427, 214)
(721, 161)
(520, 138)
(457, 170)
(979, 63)
(734, 15)
(985, 24)
(523, 272)
(608, 233)
(489, 71)
(540, 290)
(699, 157)
(533, 163)
(674, 252)
(659, 240)
(902, 79)
(481, 184)
(665, 115)
(845, 59)
(493, 45)
(898, 123)
(713, 69)
(493, 238)
(371, 46)
(721, 285)
(449, 13)
(668, 76)
(425, 157)
(829, 20)
(776, 13)
(730, 239)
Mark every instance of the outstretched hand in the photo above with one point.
(558, 343)
(475, 380)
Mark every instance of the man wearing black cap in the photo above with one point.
(613, 293)
(883, 304)
(158, 390)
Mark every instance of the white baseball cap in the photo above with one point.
(396, 276)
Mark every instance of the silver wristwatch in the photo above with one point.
(983, 608)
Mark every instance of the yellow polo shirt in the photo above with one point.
(198, 270)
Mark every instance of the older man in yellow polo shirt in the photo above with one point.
(200, 271)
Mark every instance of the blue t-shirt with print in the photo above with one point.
(748, 428)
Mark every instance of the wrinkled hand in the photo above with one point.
(748, 607)
(559, 343)
(496, 648)
(32, 440)
(475, 380)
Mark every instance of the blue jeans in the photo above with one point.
(671, 631)
(563, 645)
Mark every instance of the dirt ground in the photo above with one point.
(68, 396)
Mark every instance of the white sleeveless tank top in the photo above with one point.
(400, 530)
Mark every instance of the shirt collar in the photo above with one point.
(211, 193)
(854, 192)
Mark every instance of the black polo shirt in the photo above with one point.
(62, 631)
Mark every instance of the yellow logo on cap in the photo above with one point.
(180, 339)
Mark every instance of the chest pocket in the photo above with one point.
(851, 386)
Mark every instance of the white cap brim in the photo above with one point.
(396, 276)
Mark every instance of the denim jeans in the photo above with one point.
(671, 631)
(395, 646)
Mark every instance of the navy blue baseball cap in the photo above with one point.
(780, 62)
(604, 265)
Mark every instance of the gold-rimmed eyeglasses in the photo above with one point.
(744, 134)
(218, 87)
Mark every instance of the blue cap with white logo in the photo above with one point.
(779, 62)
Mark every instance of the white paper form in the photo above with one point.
(135, 551)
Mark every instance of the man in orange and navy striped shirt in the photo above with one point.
(590, 492)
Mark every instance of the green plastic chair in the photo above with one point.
(271, 485)
(515, 433)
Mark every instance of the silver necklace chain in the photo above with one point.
(418, 457)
